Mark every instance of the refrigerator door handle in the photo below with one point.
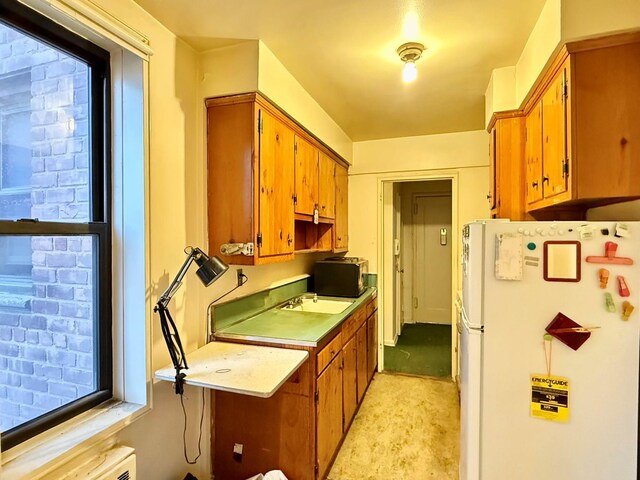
(467, 323)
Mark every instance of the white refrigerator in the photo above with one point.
(590, 431)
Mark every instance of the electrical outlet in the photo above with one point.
(240, 277)
(237, 452)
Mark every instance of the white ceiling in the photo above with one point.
(343, 52)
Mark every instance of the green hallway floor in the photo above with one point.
(422, 349)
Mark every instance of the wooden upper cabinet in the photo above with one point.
(554, 135)
(493, 170)
(263, 183)
(327, 191)
(307, 177)
(605, 123)
(341, 227)
(507, 166)
(231, 130)
(276, 184)
(534, 154)
(589, 147)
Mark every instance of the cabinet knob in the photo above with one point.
(534, 184)
(339, 238)
(545, 179)
(488, 196)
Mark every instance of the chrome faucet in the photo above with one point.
(315, 298)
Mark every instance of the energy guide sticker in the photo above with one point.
(550, 398)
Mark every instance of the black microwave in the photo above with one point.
(340, 276)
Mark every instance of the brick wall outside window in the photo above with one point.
(47, 342)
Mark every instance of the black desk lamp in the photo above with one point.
(210, 269)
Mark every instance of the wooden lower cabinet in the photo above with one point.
(274, 432)
(300, 428)
(372, 344)
(362, 361)
(329, 413)
(349, 381)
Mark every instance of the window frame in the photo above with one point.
(37, 26)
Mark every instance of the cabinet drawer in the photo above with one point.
(351, 324)
(325, 355)
(372, 306)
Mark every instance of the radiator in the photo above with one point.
(117, 463)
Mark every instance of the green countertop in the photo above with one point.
(279, 326)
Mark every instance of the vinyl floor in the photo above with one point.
(422, 349)
(407, 428)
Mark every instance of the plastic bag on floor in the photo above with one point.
(272, 475)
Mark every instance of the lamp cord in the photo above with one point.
(184, 431)
(179, 359)
(245, 279)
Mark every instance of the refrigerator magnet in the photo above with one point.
(568, 332)
(508, 264)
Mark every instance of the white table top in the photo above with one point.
(232, 367)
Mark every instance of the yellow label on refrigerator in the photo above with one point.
(550, 398)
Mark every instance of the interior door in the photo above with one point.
(432, 259)
(398, 270)
(276, 216)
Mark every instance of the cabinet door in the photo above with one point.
(341, 226)
(327, 194)
(372, 344)
(276, 216)
(349, 381)
(306, 175)
(362, 360)
(554, 137)
(534, 155)
(329, 413)
(491, 196)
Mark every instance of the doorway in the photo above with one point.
(422, 261)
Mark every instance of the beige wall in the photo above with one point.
(179, 80)
(501, 92)
(230, 69)
(585, 18)
(281, 87)
(559, 22)
(463, 154)
(543, 41)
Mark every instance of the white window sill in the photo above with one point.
(41, 454)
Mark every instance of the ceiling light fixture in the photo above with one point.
(409, 53)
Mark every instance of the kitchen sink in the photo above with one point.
(317, 305)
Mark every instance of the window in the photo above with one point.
(55, 225)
